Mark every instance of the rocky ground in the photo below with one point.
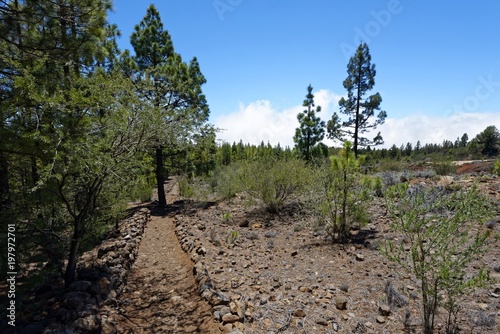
(230, 267)
(279, 273)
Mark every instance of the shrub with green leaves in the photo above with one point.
(444, 167)
(226, 181)
(342, 195)
(439, 241)
(496, 169)
(185, 189)
(276, 181)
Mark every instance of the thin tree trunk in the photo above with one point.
(357, 121)
(70, 273)
(160, 180)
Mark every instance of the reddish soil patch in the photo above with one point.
(475, 167)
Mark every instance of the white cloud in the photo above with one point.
(260, 121)
(435, 129)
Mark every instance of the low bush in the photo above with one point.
(185, 189)
(438, 227)
(226, 181)
(496, 169)
(444, 167)
(276, 181)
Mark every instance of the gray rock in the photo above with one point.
(341, 303)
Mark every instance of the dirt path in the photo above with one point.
(161, 293)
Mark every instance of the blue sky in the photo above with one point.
(438, 63)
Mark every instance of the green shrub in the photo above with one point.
(185, 189)
(496, 169)
(226, 217)
(142, 189)
(440, 241)
(444, 167)
(390, 165)
(371, 185)
(226, 182)
(276, 181)
(232, 237)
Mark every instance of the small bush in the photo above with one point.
(226, 217)
(496, 168)
(390, 178)
(372, 184)
(444, 167)
(225, 181)
(232, 237)
(481, 319)
(390, 165)
(424, 174)
(276, 181)
(436, 223)
(185, 189)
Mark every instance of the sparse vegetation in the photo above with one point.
(439, 244)
(226, 182)
(185, 189)
(341, 201)
(276, 181)
(226, 217)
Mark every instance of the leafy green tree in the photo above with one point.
(489, 141)
(312, 128)
(438, 228)
(359, 110)
(73, 121)
(170, 88)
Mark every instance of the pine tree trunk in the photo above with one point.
(160, 180)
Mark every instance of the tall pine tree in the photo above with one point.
(311, 130)
(169, 87)
(358, 108)
(74, 133)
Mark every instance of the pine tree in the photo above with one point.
(360, 80)
(311, 130)
(170, 88)
(489, 141)
(78, 147)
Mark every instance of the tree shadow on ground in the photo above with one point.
(188, 207)
(364, 237)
